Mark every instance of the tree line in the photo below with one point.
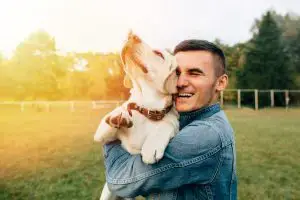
(38, 71)
(269, 60)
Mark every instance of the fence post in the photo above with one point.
(47, 106)
(287, 99)
(239, 98)
(72, 106)
(22, 106)
(256, 99)
(222, 99)
(272, 98)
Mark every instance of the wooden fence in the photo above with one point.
(256, 96)
(108, 104)
(46, 105)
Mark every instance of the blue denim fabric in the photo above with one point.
(199, 162)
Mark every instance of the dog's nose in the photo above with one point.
(134, 38)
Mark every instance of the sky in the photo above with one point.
(102, 25)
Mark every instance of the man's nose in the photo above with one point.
(182, 81)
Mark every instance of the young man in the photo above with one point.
(200, 161)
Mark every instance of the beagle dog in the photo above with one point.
(147, 121)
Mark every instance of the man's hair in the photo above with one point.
(203, 45)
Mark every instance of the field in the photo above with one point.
(51, 155)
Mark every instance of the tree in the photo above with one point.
(3, 76)
(234, 59)
(36, 67)
(96, 73)
(6, 80)
(115, 87)
(289, 25)
(267, 64)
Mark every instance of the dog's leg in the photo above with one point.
(106, 194)
(109, 125)
(105, 133)
(155, 144)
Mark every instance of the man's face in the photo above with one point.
(196, 80)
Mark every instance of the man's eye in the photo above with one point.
(177, 73)
(195, 73)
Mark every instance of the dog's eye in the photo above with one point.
(158, 53)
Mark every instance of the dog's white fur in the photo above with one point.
(152, 90)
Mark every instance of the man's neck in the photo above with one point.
(201, 113)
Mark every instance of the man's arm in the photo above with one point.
(192, 156)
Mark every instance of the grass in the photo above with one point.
(51, 155)
(268, 153)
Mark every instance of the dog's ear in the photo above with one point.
(171, 83)
(127, 82)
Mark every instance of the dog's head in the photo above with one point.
(142, 64)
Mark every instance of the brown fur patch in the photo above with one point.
(118, 122)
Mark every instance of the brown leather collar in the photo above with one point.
(154, 115)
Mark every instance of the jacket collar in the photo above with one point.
(187, 117)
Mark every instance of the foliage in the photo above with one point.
(289, 25)
(267, 63)
(35, 67)
(234, 59)
(38, 71)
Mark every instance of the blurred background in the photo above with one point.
(60, 72)
(69, 50)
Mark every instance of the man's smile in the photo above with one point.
(184, 95)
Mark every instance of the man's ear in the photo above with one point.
(222, 82)
(127, 82)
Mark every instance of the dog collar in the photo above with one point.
(154, 115)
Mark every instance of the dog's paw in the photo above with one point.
(105, 133)
(151, 153)
(118, 119)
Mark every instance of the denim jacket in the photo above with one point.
(199, 162)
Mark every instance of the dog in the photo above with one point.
(147, 121)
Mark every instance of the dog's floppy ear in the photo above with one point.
(170, 83)
(127, 82)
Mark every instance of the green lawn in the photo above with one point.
(51, 155)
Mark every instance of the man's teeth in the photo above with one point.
(184, 95)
